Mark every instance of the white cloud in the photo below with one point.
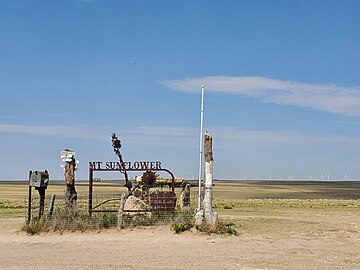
(324, 97)
(230, 137)
(227, 137)
(161, 135)
(70, 131)
(224, 136)
(145, 135)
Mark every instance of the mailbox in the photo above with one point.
(39, 179)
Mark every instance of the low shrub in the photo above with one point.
(218, 228)
(181, 227)
(35, 227)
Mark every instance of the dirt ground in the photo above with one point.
(284, 239)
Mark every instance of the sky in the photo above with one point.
(282, 85)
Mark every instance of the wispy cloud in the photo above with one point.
(67, 131)
(227, 137)
(224, 136)
(233, 137)
(161, 135)
(325, 97)
(143, 135)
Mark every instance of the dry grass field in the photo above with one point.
(280, 225)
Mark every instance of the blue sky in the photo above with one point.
(282, 85)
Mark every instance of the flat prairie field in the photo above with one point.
(279, 224)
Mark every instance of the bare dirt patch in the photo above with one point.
(281, 239)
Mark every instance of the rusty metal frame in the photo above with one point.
(91, 180)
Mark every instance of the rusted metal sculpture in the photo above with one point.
(136, 190)
(149, 177)
(116, 143)
(138, 198)
(147, 180)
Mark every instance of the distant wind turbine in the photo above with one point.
(309, 176)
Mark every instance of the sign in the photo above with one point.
(67, 155)
(128, 165)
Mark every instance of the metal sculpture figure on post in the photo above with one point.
(116, 143)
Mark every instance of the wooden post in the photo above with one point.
(41, 191)
(29, 203)
(120, 221)
(52, 205)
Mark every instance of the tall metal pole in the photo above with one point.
(201, 144)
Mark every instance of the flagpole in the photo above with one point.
(201, 145)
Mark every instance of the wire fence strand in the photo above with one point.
(157, 208)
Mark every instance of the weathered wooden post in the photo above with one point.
(207, 214)
(52, 203)
(68, 157)
(29, 202)
(210, 216)
(120, 220)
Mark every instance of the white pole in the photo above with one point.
(201, 144)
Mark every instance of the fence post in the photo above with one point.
(120, 221)
(52, 205)
(29, 202)
(41, 191)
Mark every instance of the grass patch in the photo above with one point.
(69, 219)
(285, 203)
(159, 218)
(220, 227)
(12, 208)
(35, 227)
(181, 227)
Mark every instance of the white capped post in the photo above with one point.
(210, 215)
